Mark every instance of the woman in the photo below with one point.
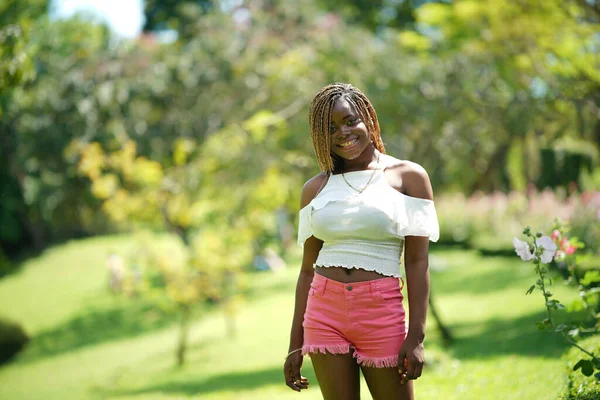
(356, 218)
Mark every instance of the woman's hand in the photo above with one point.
(291, 371)
(410, 360)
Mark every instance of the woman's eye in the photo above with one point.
(351, 122)
(332, 129)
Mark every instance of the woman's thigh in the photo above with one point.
(338, 376)
(384, 384)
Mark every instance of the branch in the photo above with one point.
(181, 232)
(291, 109)
(595, 8)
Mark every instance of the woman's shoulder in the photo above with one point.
(312, 187)
(391, 163)
(411, 176)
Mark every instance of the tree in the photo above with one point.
(180, 16)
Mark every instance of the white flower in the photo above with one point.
(522, 249)
(549, 248)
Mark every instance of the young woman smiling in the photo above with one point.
(356, 219)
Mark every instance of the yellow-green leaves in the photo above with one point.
(413, 41)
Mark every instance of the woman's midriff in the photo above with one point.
(348, 275)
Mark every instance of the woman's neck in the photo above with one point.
(368, 156)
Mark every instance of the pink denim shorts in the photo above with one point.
(366, 316)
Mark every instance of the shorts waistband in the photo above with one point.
(324, 283)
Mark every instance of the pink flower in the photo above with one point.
(570, 249)
(555, 235)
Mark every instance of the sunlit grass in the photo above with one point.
(88, 344)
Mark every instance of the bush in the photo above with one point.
(488, 222)
(581, 387)
(12, 340)
(5, 264)
(489, 245)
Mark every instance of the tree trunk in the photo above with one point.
(444, 331)
(497, 163)
(184, 328)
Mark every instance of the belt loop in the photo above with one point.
(324, 286)
(373, 289)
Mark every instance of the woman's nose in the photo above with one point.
(344, 130)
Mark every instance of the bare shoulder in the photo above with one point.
(412, 177)
(311, 188)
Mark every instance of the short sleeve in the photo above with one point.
(416, 217)
(304, 225)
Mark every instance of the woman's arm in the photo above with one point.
(416, 262)
(312, 246)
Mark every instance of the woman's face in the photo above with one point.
(349, 134)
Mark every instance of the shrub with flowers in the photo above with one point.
(490, 220)
(562, 249)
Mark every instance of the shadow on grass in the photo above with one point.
(492, 275)
(97, 326)
(275, 287)
(230, 381)
(518, 336)
(125, 319)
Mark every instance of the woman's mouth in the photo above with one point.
(348, 143)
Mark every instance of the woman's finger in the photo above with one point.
(410, 369)
(418, 370)
(292, 384)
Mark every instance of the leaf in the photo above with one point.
(587, 367)
(531, 288)
(540, 326)
(561, 327)
(552, 303)
(578, 365)
(576, 305)
(590, 277)
(574, 332)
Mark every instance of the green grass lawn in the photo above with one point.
(89, 344)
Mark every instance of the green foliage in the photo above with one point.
(582, 386)
(13, 11)
(543, 250)
(375, 15)
(473, 100)
(487, 222)
(13, 339)
(175, 14)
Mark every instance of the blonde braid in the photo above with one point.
(319, 116)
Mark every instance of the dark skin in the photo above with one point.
(338, 375)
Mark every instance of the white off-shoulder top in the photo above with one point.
(365, 230)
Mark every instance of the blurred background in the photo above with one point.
(152, 154)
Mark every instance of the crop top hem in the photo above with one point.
(326, 265)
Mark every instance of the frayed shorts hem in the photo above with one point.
(344, 348)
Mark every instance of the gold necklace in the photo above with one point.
(369, 181)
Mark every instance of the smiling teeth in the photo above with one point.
(348, 143)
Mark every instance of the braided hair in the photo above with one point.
(321, 109)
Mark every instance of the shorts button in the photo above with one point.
(349, 288)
